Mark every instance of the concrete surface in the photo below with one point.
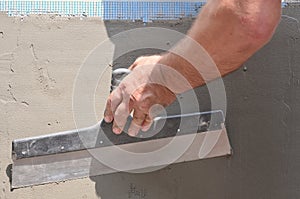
(263, 107)
(38, 65)
(39, 59)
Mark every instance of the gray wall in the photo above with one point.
(262, 122)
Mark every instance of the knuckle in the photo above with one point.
(138, 120)
(122, 86)
(107, 112)
(118, 124)
(148, 120)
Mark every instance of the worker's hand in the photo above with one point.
(137, 94)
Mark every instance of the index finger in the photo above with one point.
(112, 103)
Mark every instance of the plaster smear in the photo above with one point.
(39, 60)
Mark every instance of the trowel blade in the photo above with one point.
(81, 153)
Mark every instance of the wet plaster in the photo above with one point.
(262, 114)
(262, 121)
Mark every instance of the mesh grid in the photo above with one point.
(106, 9)
(291, 1)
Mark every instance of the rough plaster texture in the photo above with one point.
(39, 59)
(262, 117)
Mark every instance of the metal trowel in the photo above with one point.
(97, 150)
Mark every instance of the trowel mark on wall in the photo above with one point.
(33, 52)
(289, 19)
(25, 103)
(12, 96)
(6, 62)
(4, 100)
(42, 70)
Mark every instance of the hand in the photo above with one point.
(136, 94)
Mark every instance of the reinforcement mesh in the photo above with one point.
(106, 9)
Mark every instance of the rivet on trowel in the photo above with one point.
(101, 142)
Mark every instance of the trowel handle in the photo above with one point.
(117, 76)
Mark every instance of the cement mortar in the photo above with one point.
(39, 60)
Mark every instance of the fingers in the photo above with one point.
(147, 123)
(135, 63)
(112, 103)
(141, 121)
(118, 108)
(133, 94)
(132, 66)
(137, 122)
(108, 114)
(120, 117)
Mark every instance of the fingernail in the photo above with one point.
(145, 128)
(132, 133)
(116, 130)
(108, 119)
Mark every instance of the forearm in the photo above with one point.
(230, 32)
(225, 34)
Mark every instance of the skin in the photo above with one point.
(230, 31)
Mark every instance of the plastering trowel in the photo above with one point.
(97, 150)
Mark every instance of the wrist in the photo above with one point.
(191, 61)
(177, 73)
